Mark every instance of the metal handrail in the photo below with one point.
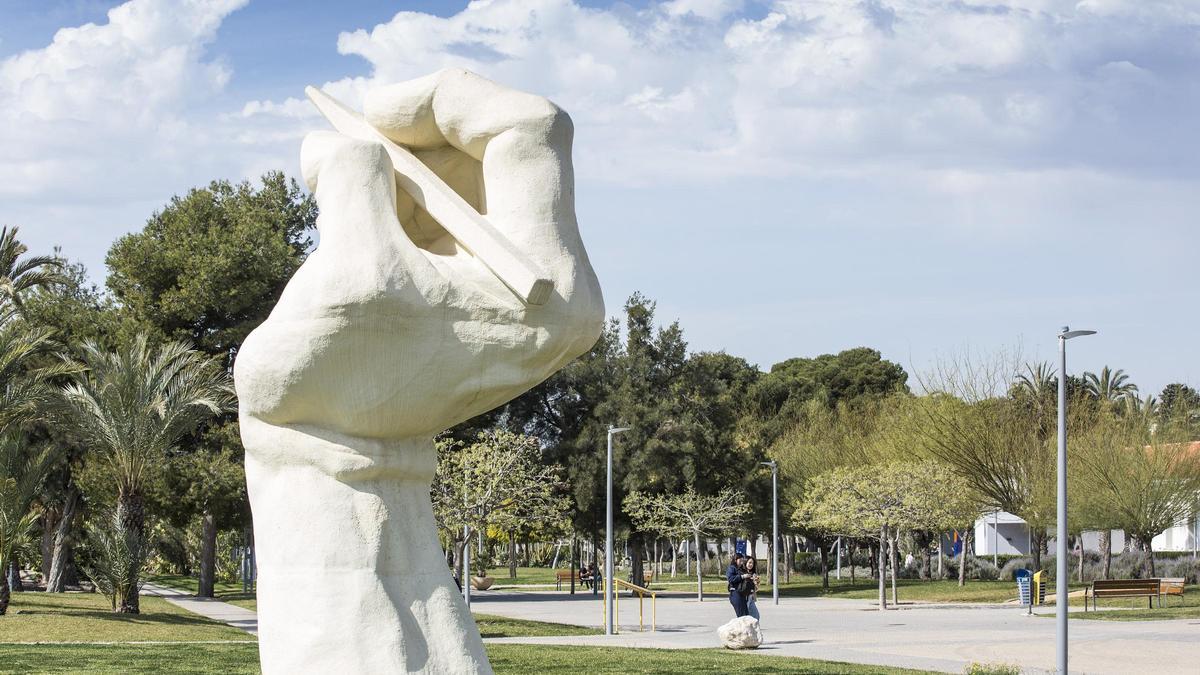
(642, 593)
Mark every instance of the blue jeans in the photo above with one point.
(739, 603)
(752, 606)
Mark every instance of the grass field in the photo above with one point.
(506, 659)
(88, 617)
(1135, 609)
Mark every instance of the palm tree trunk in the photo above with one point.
(208, 556)
(131, 512)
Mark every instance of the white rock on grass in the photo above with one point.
(741, 633)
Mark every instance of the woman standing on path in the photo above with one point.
(734, 576)
(749, 589)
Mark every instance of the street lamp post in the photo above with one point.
(466, 556)
(774, 529)
(1061, 574)
(608, 540)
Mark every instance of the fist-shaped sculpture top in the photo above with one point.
(389, 333)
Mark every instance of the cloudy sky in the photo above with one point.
(786, 178)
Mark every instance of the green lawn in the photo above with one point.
(1135, 609)
(88, 617)
(491, 625)
(187, 658)
(506, 659)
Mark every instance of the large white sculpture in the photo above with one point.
(390, 332)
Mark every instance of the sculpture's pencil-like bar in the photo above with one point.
(463, 222)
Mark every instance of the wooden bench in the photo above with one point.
(1122, 588)
(1171, 586)
(561, 576)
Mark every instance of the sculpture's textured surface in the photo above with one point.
(389, 333)
(740, 633)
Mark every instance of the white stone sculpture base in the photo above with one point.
(740, 633)
(352, 572)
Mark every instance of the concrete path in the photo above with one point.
(238, 617)
(942, 638)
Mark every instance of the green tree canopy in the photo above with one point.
(209, 267)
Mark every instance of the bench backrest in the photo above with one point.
(1119, 586)
(1173, 585)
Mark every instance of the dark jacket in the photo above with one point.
(733, 575)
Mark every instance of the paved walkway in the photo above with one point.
(238, 617)
(942, 638)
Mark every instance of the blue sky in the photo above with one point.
(786, 178)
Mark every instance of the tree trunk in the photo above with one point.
(635, 558)
(1038, 538)
(1106, 552)
(1079, 574)
(50, 517)
(674, 556)
(940, 554)
(882, 567)
(962, 560)
(1147, 543)
(892, 554)
(512, 555)
(824, 553)
(5, 594)
(850, 549)
(789, 556)
(131, 513)
(208, 556)
(699, 575)
(62, 568)
(14, 576)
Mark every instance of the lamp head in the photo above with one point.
(1067, 333)
(617, 430)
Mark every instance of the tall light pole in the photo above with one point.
(774, 529)
(466, 554)
(1062, 576)
(608, 540)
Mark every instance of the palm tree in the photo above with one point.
(21, 475)
(1110, 386)
(131, 406)
(1038, 382)
(17, 275)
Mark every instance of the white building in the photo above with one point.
(1006, 534)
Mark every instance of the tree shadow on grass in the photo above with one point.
(158, 618)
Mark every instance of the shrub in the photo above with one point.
(1008, 571)
(115, 558)
(980, 569)
(992, 669)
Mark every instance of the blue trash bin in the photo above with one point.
(1024, 585)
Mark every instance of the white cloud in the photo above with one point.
(689, 89)
(102, 101)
